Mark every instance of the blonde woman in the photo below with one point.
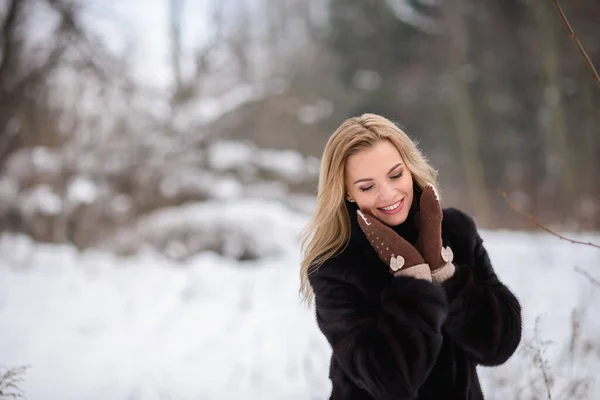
(404, 291)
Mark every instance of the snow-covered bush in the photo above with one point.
(240, 229)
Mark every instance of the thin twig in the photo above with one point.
(536, 222)
(587, 275)
(587, 59)
(9, 382)
(541, 362)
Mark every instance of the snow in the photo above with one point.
(250, 227)
(243, 157)
(82, 191)
(405, 12)
(365, 79)
(44, 159)
(288, 163)
(205, 110)
(95, 326)
(41, 199)
(312, 113)
(227, 155)
(31, 161)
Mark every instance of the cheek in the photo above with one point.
(365, 200)
(408, 185)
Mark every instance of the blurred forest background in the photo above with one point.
(94, 141)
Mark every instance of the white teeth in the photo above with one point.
(392, 207)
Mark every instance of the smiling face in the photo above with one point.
(380, 183)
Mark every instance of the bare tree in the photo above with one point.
(175, 22)
(557, 143)
(465, 121)
(24, 74)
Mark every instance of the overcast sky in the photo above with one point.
(140, 28)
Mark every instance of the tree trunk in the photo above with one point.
(175, 8)
(465, 123)
(557, 144)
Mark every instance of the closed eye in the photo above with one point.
(397, 176)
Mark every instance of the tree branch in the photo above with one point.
(536, 222)
(542, 363)
(587, 59)
(9, 382)
(8, 30)
(587, 275)
(71, 29)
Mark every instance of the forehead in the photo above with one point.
(376, 160)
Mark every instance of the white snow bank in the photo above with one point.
(94, 326)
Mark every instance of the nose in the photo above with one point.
(387, 193)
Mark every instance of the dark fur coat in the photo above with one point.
(405, 338)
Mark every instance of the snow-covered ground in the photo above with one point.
(95, 326)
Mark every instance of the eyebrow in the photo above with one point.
(370, 179)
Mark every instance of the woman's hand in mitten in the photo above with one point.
(402, 258)
(429, 242)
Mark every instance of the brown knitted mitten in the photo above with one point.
(429, 242)
(402, 258)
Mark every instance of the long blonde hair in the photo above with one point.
(328, 230)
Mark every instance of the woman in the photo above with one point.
(405, 293)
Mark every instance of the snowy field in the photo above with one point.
(94, 326)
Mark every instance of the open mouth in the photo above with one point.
(394, 208)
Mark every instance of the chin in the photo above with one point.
(393, 220)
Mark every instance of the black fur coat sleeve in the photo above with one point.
(386, 347)
(484, 317)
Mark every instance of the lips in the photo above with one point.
(392, 209)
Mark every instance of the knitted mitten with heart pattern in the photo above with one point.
(429, 242)
(402, 258)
